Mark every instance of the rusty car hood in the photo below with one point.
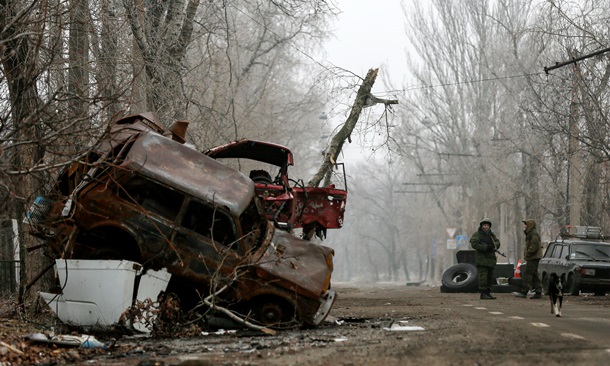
(297, 264)
(266, 152)
(189, 170)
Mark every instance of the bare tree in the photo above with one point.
(469, 128)
(53, 110)
(251, 73)
(387, 236)
(163, 32)
(574, 101)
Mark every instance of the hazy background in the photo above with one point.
(481, 130)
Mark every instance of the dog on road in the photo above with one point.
(555, 292)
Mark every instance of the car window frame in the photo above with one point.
(125, 196)
(235, 245)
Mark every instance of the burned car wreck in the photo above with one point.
(143, 195)
(288, 203)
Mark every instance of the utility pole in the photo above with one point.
(574, 176)
(574, 193)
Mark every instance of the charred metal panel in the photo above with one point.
(325, 206)
(299, 265)
(190, 171)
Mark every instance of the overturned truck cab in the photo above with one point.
(143, 195)
(288, 203)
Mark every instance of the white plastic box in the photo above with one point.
(97, 292)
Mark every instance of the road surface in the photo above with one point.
(394, 324)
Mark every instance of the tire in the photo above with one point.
(462, 277)
(274, 312)
(504, 289)
(515, 281)
(571, 286)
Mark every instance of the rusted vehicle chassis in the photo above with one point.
(145, 196)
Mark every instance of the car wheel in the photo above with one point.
(274, 312)
(462, 276)
(571, 286)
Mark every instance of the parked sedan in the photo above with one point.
(583, 257)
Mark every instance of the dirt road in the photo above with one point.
(388, 324)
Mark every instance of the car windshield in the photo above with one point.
(590, 251)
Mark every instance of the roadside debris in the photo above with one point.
(96, 293)
(11, 348)
(401, 326)
(144, 195)
(62, 340)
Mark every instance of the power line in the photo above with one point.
(473, 81)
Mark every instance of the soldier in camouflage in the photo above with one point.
(532, 254)
(485, 243)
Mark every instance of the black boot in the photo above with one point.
(486, 296)
(488, 292)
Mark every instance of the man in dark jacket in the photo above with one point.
(532, 254)
(485, 243)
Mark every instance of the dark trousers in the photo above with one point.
(486, 278)
(530, 280)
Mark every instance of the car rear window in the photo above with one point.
(590, 251)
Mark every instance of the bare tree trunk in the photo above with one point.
(19, 67)
(108, 60)
(78, 73)
(162, 32)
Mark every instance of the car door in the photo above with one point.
(552, 258)
(544, 267)
(562, 264)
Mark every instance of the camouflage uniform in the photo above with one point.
(485, 243)
(532, 254)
